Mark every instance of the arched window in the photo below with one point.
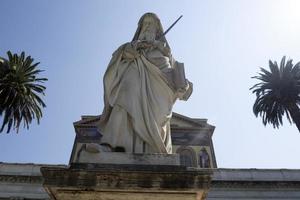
(204, 160)
(187, 156)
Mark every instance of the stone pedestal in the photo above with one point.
(127, 176)
(125, 182)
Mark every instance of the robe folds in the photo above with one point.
(138, 98)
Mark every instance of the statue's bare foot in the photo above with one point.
(97, 148)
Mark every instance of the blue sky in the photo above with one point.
(222, 43)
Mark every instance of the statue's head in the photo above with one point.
(149, 27)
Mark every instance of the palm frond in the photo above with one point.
(20, 92)
(277, 90)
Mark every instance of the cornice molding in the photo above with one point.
(20, 179)
(255, 184)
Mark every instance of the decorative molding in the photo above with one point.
(255, 184)
(107, 176)
(20, 179)
(190, 139)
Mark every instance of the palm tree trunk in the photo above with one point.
(295, 114)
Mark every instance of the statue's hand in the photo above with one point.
(142, 44)
(185, 93)
(139, 45)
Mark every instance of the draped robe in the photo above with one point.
(138, 99)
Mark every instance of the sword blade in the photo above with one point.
(171, 26)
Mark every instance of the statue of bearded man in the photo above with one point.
(139, 93)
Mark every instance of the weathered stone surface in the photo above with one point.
(128, 158)
(95, 181)
(21, 181)
(129, 195)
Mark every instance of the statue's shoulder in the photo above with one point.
(117, 54)
(120, 49)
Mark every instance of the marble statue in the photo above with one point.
(141, 84)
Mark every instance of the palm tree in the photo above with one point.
(278, 93)
(19, 91)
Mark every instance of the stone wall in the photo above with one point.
(24, 181)
(21, 181)
(258, 184)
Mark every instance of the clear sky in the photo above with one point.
(222, 43)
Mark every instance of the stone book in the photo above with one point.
(182, 85)
(179, 76)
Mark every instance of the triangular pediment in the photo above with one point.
(88, 120)
(177, 121)
(182, 121)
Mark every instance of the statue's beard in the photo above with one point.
(147, 35)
